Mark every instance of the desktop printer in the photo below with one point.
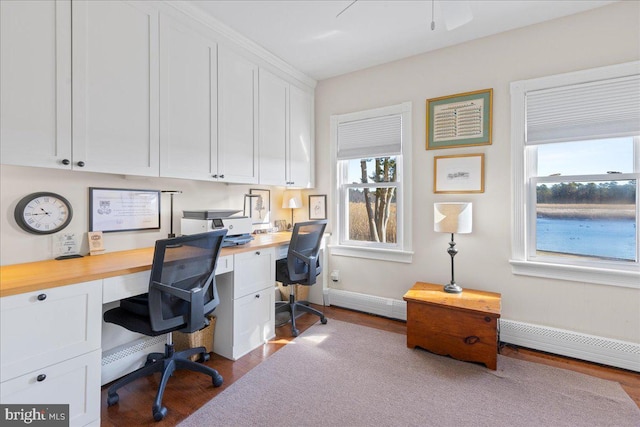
(238, 227)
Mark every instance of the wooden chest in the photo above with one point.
(463, 326)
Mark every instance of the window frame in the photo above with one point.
(401, 250)
(524, 177)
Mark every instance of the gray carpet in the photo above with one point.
(341, 374)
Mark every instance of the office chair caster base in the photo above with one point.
(204, 357)
(295, 332)
(217, 380)
(159, 413)
(323, 321)
(112, 399)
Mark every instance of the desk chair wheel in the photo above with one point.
(323, 320)
(294, 332)
(204, 357)
(159, 413)
(217, 380)
(112, 399)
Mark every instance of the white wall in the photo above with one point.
(604, 36)
(17, 246)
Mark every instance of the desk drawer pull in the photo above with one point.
(41, 378)
(257, 252)
(257, 295)
(42, 297)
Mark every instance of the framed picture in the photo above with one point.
(260, 207)
(117, 209)
(461, 120)
(318, 207)
(463, 173)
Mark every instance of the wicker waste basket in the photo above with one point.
(302, 292)
(201, 338)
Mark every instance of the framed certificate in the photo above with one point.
(116, 209)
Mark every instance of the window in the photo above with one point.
(576, 166)
(372, 179)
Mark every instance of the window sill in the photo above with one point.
(372, 253)
(602, 276)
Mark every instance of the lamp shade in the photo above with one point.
(452, 217)
(291, 199)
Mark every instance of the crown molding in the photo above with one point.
(238, 39)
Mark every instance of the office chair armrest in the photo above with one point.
(312, 263)
(195, 298)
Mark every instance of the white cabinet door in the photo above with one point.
(75, 382)
(253, 321)
(253, 271)
(273, 128)
(115, 87)
(300, 157)
(237, 118)
(35, 83)
(188, 108)
(38, 329)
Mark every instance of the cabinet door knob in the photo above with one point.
(222, 176)
(41, 378)
(257, 295)
(214, 176)
(66, 162)
(81, 164)
(257, 252)
(42, 297)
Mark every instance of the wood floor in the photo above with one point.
(188, 391)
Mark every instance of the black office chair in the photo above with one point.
(301, 267)
(182, 291)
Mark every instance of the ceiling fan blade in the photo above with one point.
(456, 13)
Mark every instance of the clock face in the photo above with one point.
(43, 213)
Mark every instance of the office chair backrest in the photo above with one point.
(182, 288)
(305, 243)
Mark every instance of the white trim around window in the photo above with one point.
(523, 160)
(402, 250)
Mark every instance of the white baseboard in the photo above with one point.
(591, 348)
(128, 357)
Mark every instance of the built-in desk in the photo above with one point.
(54, 347)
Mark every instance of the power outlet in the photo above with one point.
(335, 275)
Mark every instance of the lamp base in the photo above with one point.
(452, 288)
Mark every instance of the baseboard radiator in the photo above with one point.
(128, 357)
(591, 348)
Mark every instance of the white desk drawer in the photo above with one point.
(120, 287)
(39, 329)
(75, 382)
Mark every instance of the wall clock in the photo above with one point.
(43, 213)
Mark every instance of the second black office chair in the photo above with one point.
(182, 291)
(301, 267)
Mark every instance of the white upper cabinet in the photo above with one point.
(273, 129)
(115, 87)
(300, 156)
(35, 83)
(237, 118)
(188, 108)
(286, 132)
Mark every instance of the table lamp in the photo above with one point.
(291, 199)
(452, 218)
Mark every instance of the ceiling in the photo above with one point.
(307, 34)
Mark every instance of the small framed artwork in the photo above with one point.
(461, 120)
(463, 173)
(120, 209)
(318, 207)
(260, 207)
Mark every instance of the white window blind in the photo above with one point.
(601, 109)
(379, 136)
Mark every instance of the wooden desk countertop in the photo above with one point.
(32, 276)
(468, 299)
